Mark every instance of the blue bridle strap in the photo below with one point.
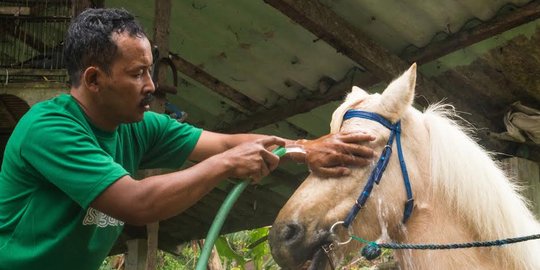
(376, 174)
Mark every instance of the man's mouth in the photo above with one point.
(145, 102)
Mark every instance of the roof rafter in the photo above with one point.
(381, 64)
(300, 105)
(340, 34)
(243, 102)
(497, 25)
(212, 83)
(458, 41)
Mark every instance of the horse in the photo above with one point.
(460, 194)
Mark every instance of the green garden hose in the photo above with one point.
(222, 213)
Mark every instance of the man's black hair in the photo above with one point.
(89, 40)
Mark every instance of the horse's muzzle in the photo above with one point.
(291, 247)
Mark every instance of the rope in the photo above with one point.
(372, 250)
(499, 242)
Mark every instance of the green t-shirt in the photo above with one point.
(56, 163)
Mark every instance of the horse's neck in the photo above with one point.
(430, 224)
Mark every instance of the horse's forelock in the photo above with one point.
(352, 100)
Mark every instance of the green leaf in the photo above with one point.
(224, 250)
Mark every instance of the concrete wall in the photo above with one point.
(34, 92)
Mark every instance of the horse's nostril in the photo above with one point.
(292, 232)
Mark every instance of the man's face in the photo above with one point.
(123, 94)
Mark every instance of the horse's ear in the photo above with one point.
(353, 98)
(399, 94)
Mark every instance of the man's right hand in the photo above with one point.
(252, 160)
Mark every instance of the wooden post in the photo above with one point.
(526, 173)
(162, 14)
(78, 6)
(152, 231)
(162, 17)
(161, 39)
(136, 255)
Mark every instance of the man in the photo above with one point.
(67, 182)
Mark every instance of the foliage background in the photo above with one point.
(245, 250)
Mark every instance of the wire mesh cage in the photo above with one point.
(31, 36)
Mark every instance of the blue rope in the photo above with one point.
(372, 250)
(499, 242)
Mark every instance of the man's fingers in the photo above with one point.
(271, 161)
(272, 140)
(358, 150)
(356, 137)
(327, 172)
(349, 160)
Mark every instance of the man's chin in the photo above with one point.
(135, 118)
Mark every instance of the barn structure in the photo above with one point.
(282, 66)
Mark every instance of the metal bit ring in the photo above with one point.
(340, 243)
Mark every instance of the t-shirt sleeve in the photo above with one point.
(65, 154)
(169, 142)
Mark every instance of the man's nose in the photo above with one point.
(149, 86)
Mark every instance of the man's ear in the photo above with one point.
(90, 78)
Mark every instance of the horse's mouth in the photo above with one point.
(293, 249)
(317, 262)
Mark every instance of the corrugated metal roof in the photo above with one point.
(260, 52)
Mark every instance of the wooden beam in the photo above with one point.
(325, 24)
(340, 34)
(31, 72)
(301, 105)
(136, 254)
(162, 15)
(343, 36)
(221, 88)
(462, 39)
(429, 53)
(15, 11)
(34, 2)
(243, 103)
(328, 26)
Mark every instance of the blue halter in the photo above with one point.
(376, 174)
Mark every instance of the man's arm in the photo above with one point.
(222, 156)
(211, 143)
(162, 196)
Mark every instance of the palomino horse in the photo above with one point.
(460, 195)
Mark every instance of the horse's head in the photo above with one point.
(304, 224)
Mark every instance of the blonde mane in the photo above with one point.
(479, 191)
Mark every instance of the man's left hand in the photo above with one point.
(332, 155)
